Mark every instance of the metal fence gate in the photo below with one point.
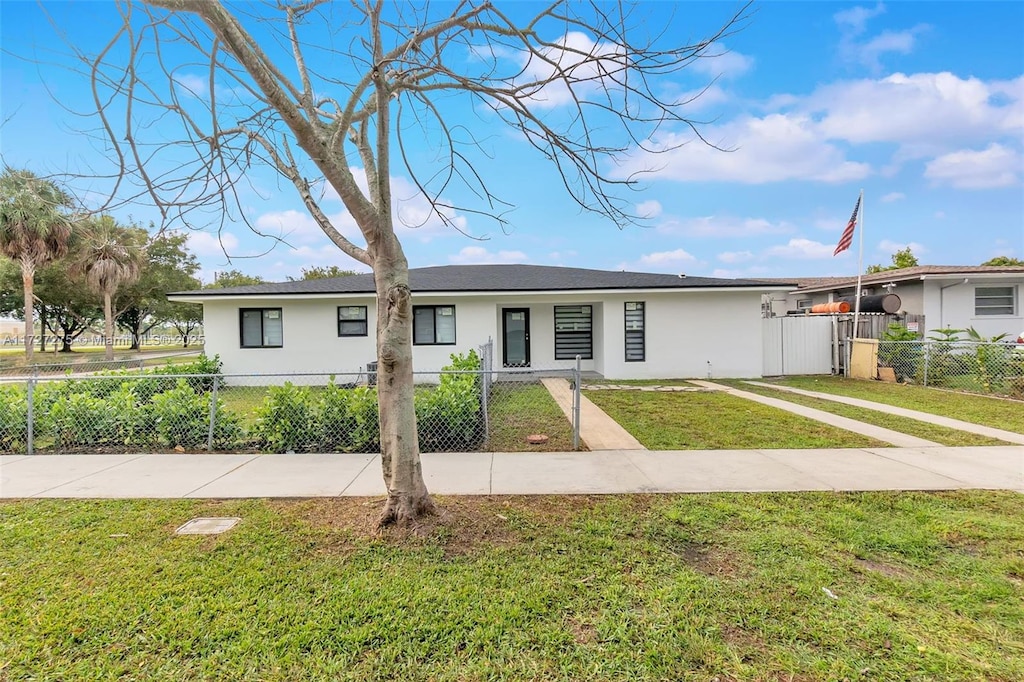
(798, 345)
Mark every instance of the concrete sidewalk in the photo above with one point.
(484, 473)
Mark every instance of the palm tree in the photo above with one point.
(109, 257)
(34, 230)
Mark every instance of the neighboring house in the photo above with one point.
(624, 325)
(11, 329)
(985, 297)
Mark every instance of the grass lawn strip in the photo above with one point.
(1000, 413)
(911, 427)
(717, 421)
(926, 586)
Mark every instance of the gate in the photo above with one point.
(798, 345)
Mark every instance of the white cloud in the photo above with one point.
(940, 215)
(893, 196)
(666, 257)
(994, 166)
(735, 256)
(589, 65)
(719, 61)
(648, 209)
(922, 112)
(207, 244)
(816, 137)
(855, 19)
(478, 255)
(722, 226)
(770, 149)
(801, 249)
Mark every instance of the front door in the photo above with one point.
(516, 331)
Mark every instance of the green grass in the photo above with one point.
(716, 420)
(928, 587)
(519, 410)
(1000, 413)
(912, 427)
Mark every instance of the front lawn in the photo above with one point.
(517, 410)
(912, 427)
(820, 586)
(717, 421)
(1000, 413)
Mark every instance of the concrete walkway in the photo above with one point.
(896, 438)
(500, 473)
(597, 430)
(948, 422)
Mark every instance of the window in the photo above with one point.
(352, 320)
(635, 332)
(261, 328)
(433, 325)
(804, 304)
(995, 300)
(573, 325)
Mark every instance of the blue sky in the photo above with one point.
(920, 104)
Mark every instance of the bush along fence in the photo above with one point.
(195, 407)
(947, 360)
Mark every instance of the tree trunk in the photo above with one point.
(27, 277)
(408, 498)
(108, 328)
(42, 329)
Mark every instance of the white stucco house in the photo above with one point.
(987, 298)
(624, 325)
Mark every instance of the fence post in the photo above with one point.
(577, 380)
(849, 353)
(927, 352)
(213, 412)
(30, 416)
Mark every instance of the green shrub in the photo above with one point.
(450, 416)
(347, 419)
(78, 419)
(181, 417)
(285, 420)
(13, 418)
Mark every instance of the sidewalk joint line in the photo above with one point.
(76, 480)
(251, 458)
(369, 459)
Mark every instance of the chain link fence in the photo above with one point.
(457, 410)
(59, 365)
(994, 368)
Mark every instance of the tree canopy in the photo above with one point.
(1004, 261)
(323, 272)
(904, 258)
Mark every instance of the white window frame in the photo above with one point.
(979, 311)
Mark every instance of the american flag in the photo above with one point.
(847, 238)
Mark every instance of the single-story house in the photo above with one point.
(624, 325)
(985, 297)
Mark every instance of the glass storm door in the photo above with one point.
(516, 331)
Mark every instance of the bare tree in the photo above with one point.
(329, 94)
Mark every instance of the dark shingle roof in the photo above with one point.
(452, 278)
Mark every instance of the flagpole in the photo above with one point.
(860, 266)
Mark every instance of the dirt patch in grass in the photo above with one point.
(872, 566)
(463, 525)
